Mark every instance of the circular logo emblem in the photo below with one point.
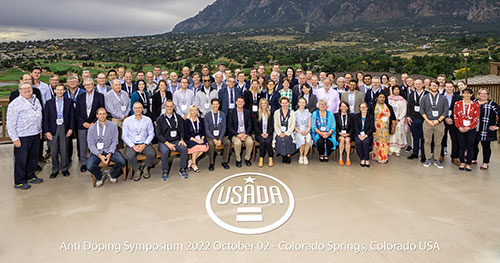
(250, 203)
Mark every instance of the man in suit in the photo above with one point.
(240, 131)
(85, 113)
(449, 125)
(228, 95)
(218, 84)
(297, 89)
(353, 97)
(26, 78)
(242, 84)
(58, 125)
(371, 94)
(128, 85)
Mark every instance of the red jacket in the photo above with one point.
(471, 114)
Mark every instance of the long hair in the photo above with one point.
(267, 112)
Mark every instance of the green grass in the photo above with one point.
(11, 75)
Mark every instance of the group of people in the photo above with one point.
(285, 113)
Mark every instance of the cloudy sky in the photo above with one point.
(46, 19)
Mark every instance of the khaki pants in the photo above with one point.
(438, 132)
(226, 152)
(119, 123)
(237, 147)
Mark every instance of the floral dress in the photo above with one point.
(380, 151)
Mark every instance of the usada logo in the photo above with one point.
(250, 203)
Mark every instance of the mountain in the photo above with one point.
(238, 14)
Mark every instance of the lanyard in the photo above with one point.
(32, 103)
(437, 100)
(129, 89)
(103, 130)
(197, 128)
(120, 99)
(468, 109)
(137, 125)
(76, 93)
(284, 121)
(419, 97)
(216, 121)
(344, 120)
(166, 119)
(144, 99)
(163, 98)
(380, 108)
(254, 96)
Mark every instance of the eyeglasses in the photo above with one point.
(206, 80)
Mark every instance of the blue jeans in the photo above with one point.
(417, 133)
(93, 165)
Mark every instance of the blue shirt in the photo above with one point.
(59, 108)
(137, 131)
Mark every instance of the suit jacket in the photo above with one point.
(81, 108)
(369, 127)
(214, 85)
(134, 88)
(156, 103)
(371, 98)
(358, 99)
(311, 105)
(232, 122)
(249, 101)
(338, 122)
(257, 125)
(224, 98)
(50, 116)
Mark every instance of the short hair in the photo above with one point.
(85, 71)
(320, 101)
(74, 77)
(469, 90)
(35, 68)
(88, 79)
(137, 102)
(449, 82)
(284, 98)
(347, 73)
(367, 75)
(162, 81)
(100, 109)
(115, 81)
(353, 80)
(184, 78)
(24, 83)
(287, 80)
(214, 100)
(196, 74)
(269, 81)
(339, 78)
(112, 71)
(240, 97)
(194, 107)
(396, 87)
(442, 76)
(60, 85)
(344, 103)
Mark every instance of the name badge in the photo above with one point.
(362, 133)
(449, 113)
(173, 133)
(184, 107)
(59, 121)
(216, 132)
(38, 113)
(100, 145)
(197, 137)
(417, 108)
(255, 108)
(302, 127)
(231, 105)
(435, 113)
(351, 108)
(137, 138)
(144, 111)
(88, 112)
(343, 131)
(283, 129)
(124, 108)
(163, 111)
(466, 123)
(323, 129)
(207, 105)
(384, 118)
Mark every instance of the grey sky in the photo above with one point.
(45, 19)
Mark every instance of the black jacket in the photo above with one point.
(338, 122)
(369, 127)
(249, 101)
(81, 109)
(163, 129)
(156, 104)
(232, 122)
(257, 125)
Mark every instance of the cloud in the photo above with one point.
(21, 19)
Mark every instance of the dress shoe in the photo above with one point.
(211, 167)
(54, 175)
(441, 159)
(422, 160)
(455, 161)
(225, 165)
(248, 162)
(65, 173)
(238, 164)
(412, 156)
(83, 168)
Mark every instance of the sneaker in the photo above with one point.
(164, 176)
(99, 183)
(305, 160)
(22, 186)
(111, 179)
(412, 156)
(183, 173)
(301, 160)
(35, 180)
(408, 149)
(438, 164)
(427, 162)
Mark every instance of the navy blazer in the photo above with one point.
(224, 98)
(369, 127)
(50, 116)
(232, 122)
(81, 109)
(134, 88)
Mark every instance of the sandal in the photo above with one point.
(196, 170)
(190, 163)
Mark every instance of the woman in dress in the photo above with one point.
(466, 117)
(284, 125)
(264, 127)
(141, 95)
(194, 134)
(397, 140)
(323, 130)
(303, 139)
(488, 127)
(364, 126)
(345, 125)
(159, 99)
(385, 124)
